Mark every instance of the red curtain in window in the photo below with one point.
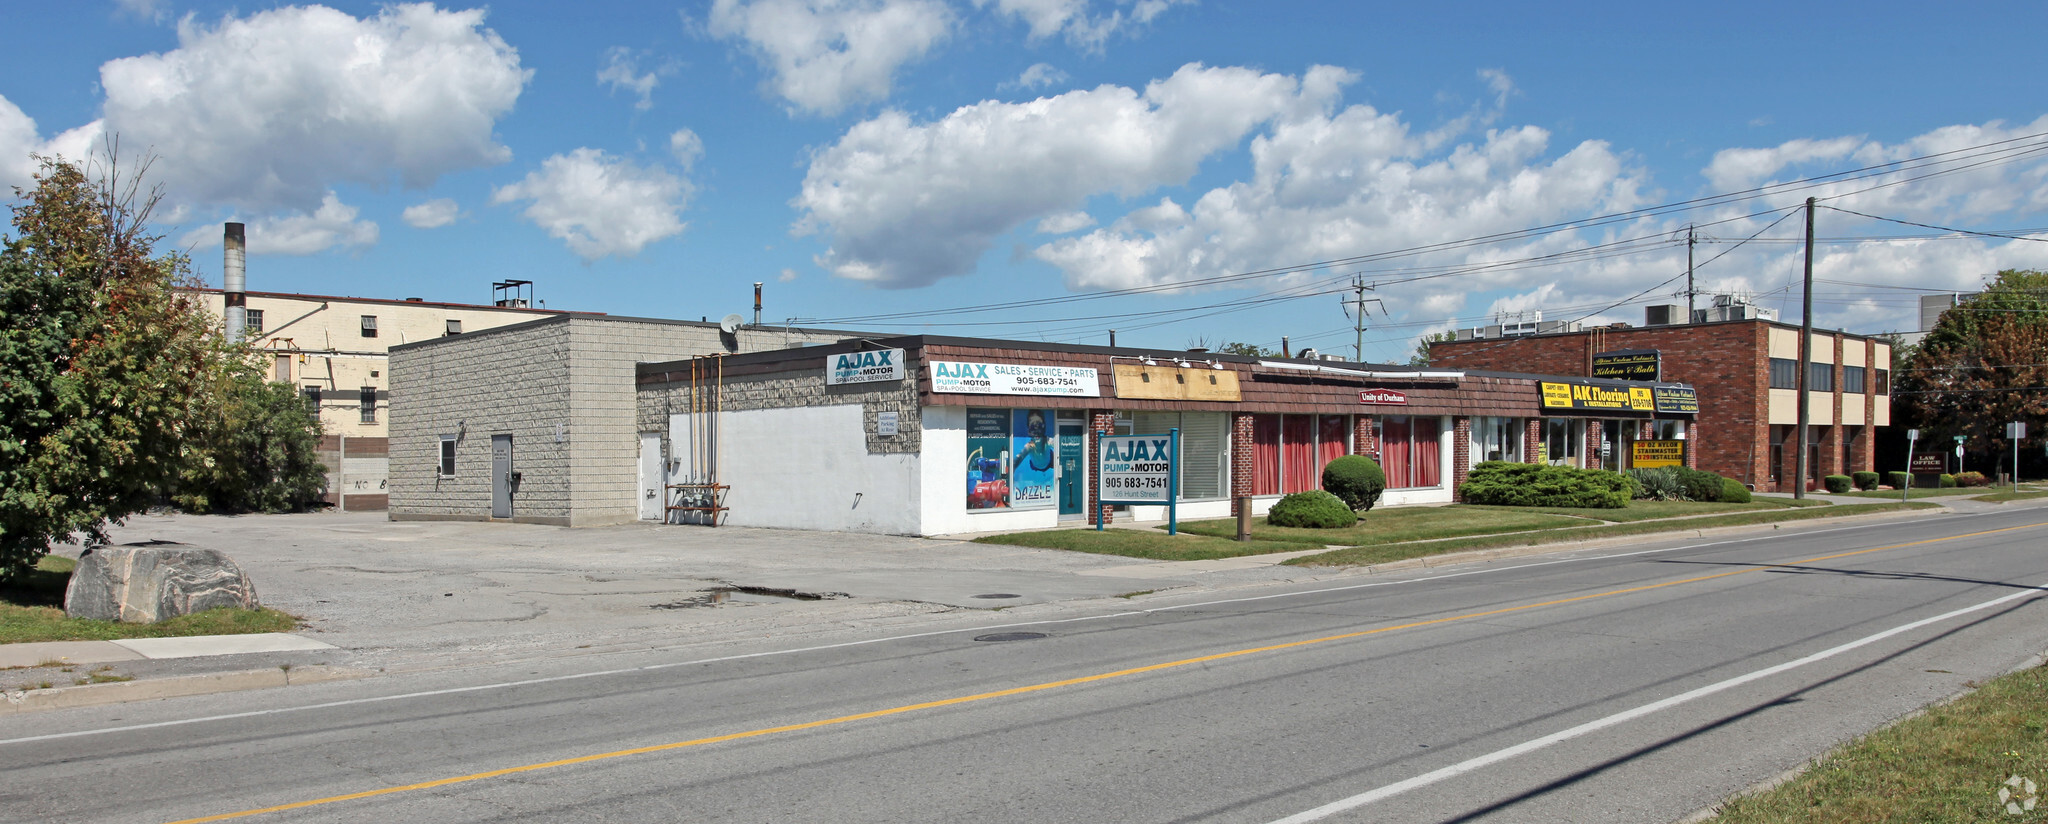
(1265, 454)
(1427, 466)
(1333, 440)
(1298, 469)
(1394, 451)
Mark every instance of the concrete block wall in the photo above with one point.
(511, 382)
(564, 388)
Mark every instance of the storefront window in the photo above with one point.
(1561, 440)
(1011, 456)
(1204, 449)
(1497, 439)
(1289, 451)
(1410, 451)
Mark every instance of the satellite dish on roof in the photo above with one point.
(730, 324)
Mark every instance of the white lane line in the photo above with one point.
(527, 682)
(1526, 747)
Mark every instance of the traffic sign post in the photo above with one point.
(2016, 432)
(1905, 489)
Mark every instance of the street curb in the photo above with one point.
(1473, 555)
(92, 695)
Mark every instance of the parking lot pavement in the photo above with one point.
(402, 595)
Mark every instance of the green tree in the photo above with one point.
(1984, 364)
(102, 362)
(252, 449)
(1421, 356)
(1247, 349)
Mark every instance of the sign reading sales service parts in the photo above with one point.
(1014, 379)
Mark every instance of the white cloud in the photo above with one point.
(332, 225)
(825, 55)
(786, 276)
(907, 204)
(432, 214)
(622, 72)
(154, 11)
(1065, 222)
(601, 205)
(1038, 75)
(18, 139)
(269, 111)
(1071, 18)
(687, 148)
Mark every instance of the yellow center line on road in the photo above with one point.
(1050, 685)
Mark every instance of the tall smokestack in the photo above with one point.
(234, 276)
(757, 303)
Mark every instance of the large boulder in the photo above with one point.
(148, 582)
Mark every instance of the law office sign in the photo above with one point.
(873, 366)
(1628, 364)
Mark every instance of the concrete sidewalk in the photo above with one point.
(59, 653)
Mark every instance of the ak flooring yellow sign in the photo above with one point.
(1658, 453)
(1592, 396)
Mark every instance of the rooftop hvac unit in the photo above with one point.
(1471, 334)
(1547, 327)
(1663, 314)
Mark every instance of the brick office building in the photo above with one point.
(1745, 373)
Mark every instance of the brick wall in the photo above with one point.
(1728, 363)
(1099, 420)
(1242, 455)
(1461, 456)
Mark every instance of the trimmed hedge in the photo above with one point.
(1972, 478)
(1947, 481)
(1836, 484)
(1898, 480)
(1700, 485)
(1501, 483)
(1865, 481)
(1314, 509)
(1733, 492)
(1356, 480)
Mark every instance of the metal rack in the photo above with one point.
(702, 504)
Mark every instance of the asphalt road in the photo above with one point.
(1626, 685)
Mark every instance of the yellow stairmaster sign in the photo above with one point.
(1593, 396)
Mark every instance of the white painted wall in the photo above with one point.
(944, 483)
(809, 468)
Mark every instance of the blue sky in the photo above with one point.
(867, 158)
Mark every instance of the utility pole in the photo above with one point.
(1689, 241)
(1805, 356)
(1358, 289)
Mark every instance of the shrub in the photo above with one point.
(1971, 479)
(1865, 481)
(1837, 484)
(1898, 480)
(1947, 481)
(1501, 483)
(1733, 492)
(1657, 483)
(1356, 480)
(1314, 509)
(1700, 485)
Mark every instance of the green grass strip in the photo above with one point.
(31, 610)
(1143, 543)
(1945, 765)
(1367, 555)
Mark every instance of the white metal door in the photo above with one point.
(651, 480)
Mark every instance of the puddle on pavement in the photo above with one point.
(746, 595)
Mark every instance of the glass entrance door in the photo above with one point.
(1073, 479)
